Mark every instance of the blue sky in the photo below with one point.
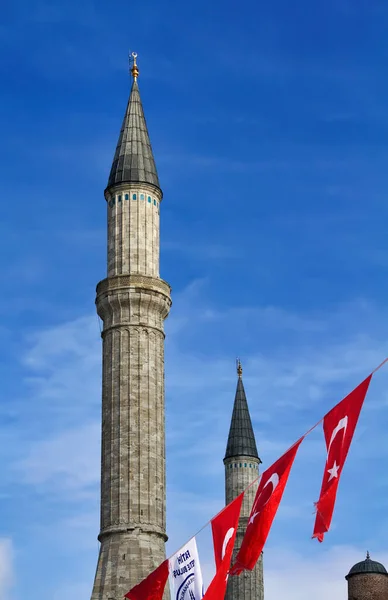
(269, 124)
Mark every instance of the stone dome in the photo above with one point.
(367, 566)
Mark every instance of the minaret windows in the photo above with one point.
(243, 465)
(121, 197)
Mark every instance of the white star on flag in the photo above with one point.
(333, 471)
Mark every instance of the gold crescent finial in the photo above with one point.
(135, 68)
(239, 368)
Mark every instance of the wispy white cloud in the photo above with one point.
(297, 576)
(6, 569)
(68, 462)
(61, 369)
(306, 364)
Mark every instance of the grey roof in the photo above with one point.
(367, 566)
(133, 160)
(241, 440)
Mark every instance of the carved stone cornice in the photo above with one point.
(131, 528)
(143, 282)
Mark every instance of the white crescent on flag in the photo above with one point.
(274, 479)
(342, 424)
(227, 538)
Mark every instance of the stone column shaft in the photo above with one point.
(240, 471)
(132, 303)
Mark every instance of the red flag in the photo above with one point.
(267, 500)
(224, 529)
(217, 587)
(151, 588)
(338, 426)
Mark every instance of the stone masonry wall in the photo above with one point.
(133, 230)
(238, 475)
(132, 303)
(371, 586)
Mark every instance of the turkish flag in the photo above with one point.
(151, 588)
(267, 500)
(217, 587)
(338, 426)
(224, 529)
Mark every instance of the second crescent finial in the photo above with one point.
(135, 68)
(239, 368)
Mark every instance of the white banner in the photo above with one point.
(185, 573)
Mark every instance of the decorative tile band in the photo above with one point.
(118, 199)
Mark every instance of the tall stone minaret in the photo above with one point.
(132, 302)
(242, 468)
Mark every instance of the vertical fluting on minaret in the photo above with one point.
(132, 303)
(241, 469)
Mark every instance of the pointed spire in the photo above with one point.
(133, 160)
(241, 440)
(367, 555)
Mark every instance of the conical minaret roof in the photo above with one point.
(133, 161)
(241, 440)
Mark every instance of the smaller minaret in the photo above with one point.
(242, 468)
(367, 580)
